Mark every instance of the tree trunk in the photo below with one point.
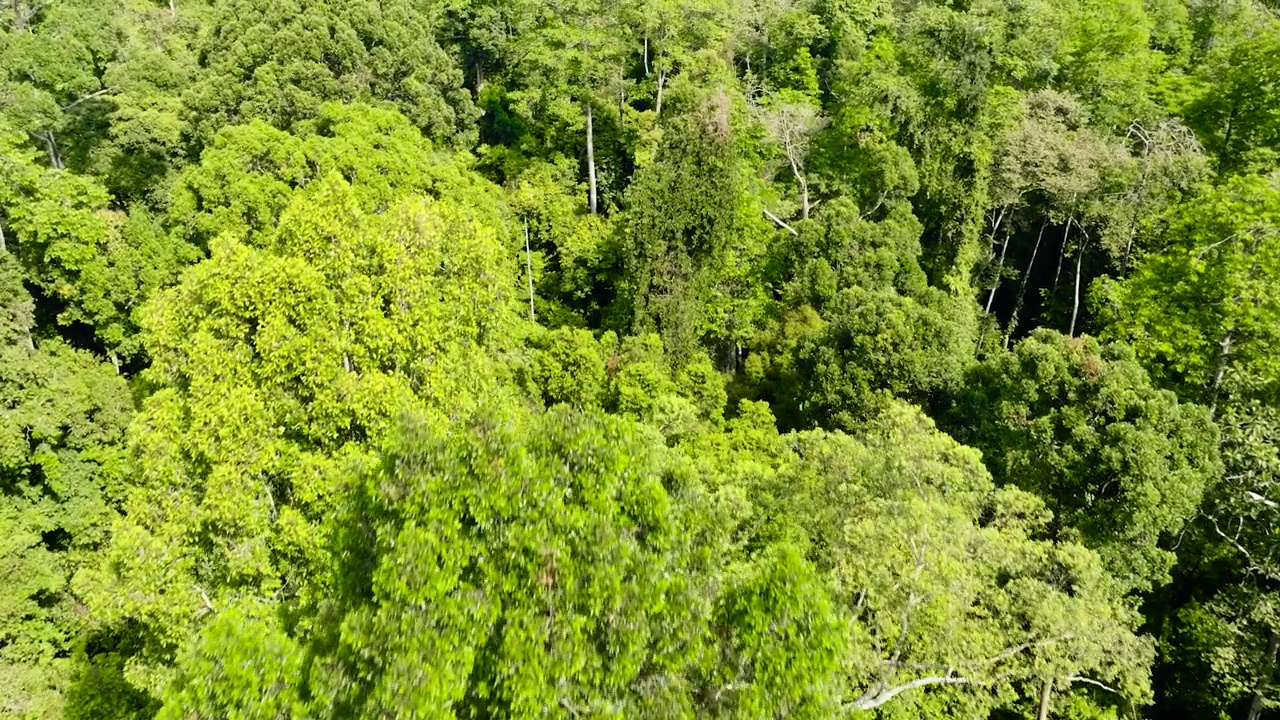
(778, 221)
(528, 259)
(591, 164)
(3, 247)
(1062, 251)
(173, 8)
(1273, 646)
(1226, 140)
(795, 160)
(1224, 358)
(54, 159)
(662, 79)
(1022, 287)
(646, 56)
(1075, 304)
(1045, 694)
(995, 284)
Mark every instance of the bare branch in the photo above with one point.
(778, 220)
(1260, 499)
(876, 699)
(87, 98)
(208, 605)
(1095, 683)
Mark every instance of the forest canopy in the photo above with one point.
(507, 359)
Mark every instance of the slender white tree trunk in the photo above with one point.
(1022, 287)
(528, 260)
(1273, 647)
(52, 145)
(1075, 303)
(591, 164)
(662, 80)
(1062, 251)
(1045, 695)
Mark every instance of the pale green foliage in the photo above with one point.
(242, 668)
(1204, 299)
(568, 248)
(266, 215)
(569, 367)
(631, 377)
(275, 364)
(945, 575)
(96, 86)
(523, 568)
(248, 173)
(1232, 97)
(49, 57)
(948, 601)
(783, 641)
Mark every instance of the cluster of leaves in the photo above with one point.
(517, 358)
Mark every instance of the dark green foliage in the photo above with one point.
(280, 61)
(1121, 464)
(518, 566)
(63, 415)
(863, 324)
(686, 235)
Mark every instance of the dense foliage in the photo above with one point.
(639, 359)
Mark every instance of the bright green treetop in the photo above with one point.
(275, 365)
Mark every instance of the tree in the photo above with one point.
(957, 604)
(63, 415)
(692, 243)
(573, 65)
(1202, 301)
(280, 60)
(247, 175)
(861, 322)
(96, 263)
(275, 365)
(1222, 636)
(1232, 98)
(791, 121)
(1121, 464)
(552, 564)
(1052, 169)
(521, 565)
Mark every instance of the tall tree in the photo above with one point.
(275, 364)
(63, 415)
(691, 242)
(279, 60)
(1121, 464)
